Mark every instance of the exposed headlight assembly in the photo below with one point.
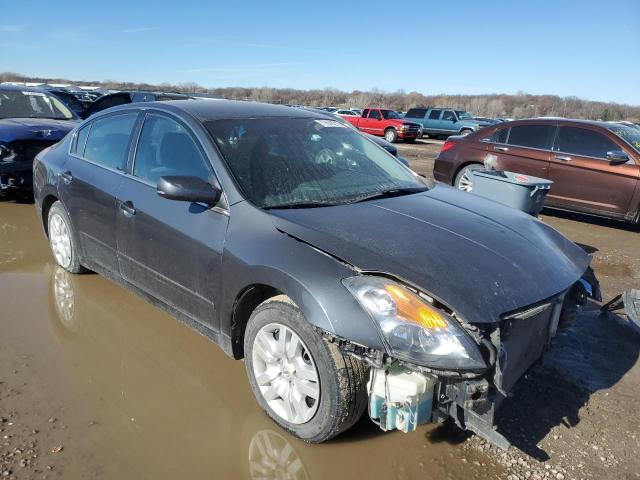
(415, 330)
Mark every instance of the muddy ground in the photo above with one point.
(96, 383)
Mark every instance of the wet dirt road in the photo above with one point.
(96, 383)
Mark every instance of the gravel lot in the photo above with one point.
(96, 383)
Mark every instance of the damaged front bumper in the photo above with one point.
(16, 163)
(403, 396)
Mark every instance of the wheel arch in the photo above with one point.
(460, 167)
(48, 200)
(244, 304)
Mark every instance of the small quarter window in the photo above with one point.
(81, 140)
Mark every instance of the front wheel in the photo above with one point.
(391, 135)
(464, 179)
(304, 383)
(465, 132)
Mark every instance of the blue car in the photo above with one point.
(31, 120)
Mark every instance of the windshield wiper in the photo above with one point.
(391, 192)
(313, 204)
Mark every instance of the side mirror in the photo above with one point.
(188, 189)
(617, 157)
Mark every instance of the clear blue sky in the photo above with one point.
(584, 48)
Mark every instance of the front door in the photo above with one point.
(170, 249)
(89, 181)
(583, 177)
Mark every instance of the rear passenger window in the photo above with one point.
(435, 114)
(416, 113)
(532, 136)
(166, 148)
(499, 136)
(581, 141)
(108, 141)
(374, 114)
(81, 140)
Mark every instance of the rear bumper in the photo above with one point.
(443, 170)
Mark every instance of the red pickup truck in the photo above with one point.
(385, 123)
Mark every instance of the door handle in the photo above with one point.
(66, 177)
(127, 209)
(501, 149)
(564, 158)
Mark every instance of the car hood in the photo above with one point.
(479, 257)
(34, 129)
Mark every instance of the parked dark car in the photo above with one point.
(70, 100)
(31, 119)
(299, 245)
(122, 98)
(595, 166)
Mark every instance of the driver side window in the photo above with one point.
(448, 115)
(166, 148)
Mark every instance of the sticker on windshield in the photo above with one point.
(34, 94)
(330, 123)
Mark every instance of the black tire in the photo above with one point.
(390, 135)
(465, 131)
(409, 140)
(74, 266)
(568, 314)
(342, 379)
(466, 172)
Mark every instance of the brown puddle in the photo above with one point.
(136, 394)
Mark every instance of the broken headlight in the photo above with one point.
(413, 329)
(6, 153)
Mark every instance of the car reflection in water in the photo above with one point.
(171, 405)
(89, 322)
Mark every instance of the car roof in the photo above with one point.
(559, 120)
(22, 88)
(207, 110)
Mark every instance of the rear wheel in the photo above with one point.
(465, 132)
(390, 135)
(62, 239)
(464, 179)
(302, 381)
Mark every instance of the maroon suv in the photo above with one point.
(595, 166)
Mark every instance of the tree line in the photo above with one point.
(520, 105)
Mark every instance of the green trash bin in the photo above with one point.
(516, 190)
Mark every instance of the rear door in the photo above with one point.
(89, 182)
(170, 249)
(432, 123)
(522, 149)
(583, 177)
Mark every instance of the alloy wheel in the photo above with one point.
(60, 240)
(286, 373)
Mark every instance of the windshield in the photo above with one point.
(19, 104)
(295, 162)
(389, 114)
(462, 115)
(630, 134)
